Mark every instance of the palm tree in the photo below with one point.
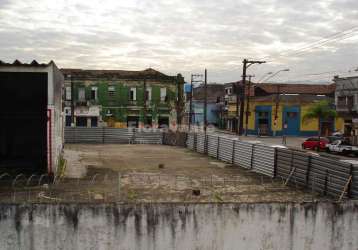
(321, 111)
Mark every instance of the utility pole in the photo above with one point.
(192, 81)
(248, 105)
(72, 103)
(205, 101)
(246, 64)
(145, 102)
(191, 101)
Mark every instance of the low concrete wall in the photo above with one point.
(178, 226)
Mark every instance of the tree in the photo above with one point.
(321, 111)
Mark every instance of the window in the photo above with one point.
(133, 94)
(94, 93)
(68, 94)
(111, 91)
(350, 102)
(345, 102)
(148, 94)
(81, 94)
(163, 94)
(228, 91)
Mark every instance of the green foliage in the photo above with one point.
(141, 115)
(103, 93)
(155, 94)
(123, 94)
(154, 112)
(140, 96)
(132, 195)
(320, 110)
(121, 115)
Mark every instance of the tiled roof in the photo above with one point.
(319, 89)
(300, 98)
(84, 73)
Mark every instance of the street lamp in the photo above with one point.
(271, 75)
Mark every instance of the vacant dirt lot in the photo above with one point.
(157, 173)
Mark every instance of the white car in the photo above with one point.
(342, 147)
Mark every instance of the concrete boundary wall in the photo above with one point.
(180, 226)
(317, 173)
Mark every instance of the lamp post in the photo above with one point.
(271, 75)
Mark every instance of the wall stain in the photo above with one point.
(71, 215)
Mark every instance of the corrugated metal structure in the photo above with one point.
(190, 141)
(112, 135)
(118, 135)
(243, 154)
(354, 188)
(147, 137)
(213, 142)
(226, 147)
(263, 159)
(201, 143)
(317, 173)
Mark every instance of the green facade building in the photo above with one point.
(118, 98)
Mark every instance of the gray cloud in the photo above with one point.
(181, 36)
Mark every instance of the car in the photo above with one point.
(334, 138)
(342, 147)
(312, 143)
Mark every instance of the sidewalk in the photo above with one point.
(291, 141)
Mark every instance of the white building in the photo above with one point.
(31, 135)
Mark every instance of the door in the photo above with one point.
(94, 122)
(263, 120)
(133, 121)
(163, 122)
(291, 121)
(81, 121)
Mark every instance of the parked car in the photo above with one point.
(334, 138)
(312, 143)
(342, 147)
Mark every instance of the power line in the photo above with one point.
(348, 33)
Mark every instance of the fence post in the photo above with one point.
(275, 163)
(134, 135)
(325, 183)
(217, 148)
(186, 139)
(233, 151)
(349, 190)
(103, 134)
(163, 140)
(308, 169)
(75, 134)
(252, 156)
(195, 146)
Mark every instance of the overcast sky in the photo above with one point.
(185, 36)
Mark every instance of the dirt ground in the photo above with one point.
(158, 173)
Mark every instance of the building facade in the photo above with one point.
(213, 111)
(278, 109)
(346, 100)
(117, 98)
